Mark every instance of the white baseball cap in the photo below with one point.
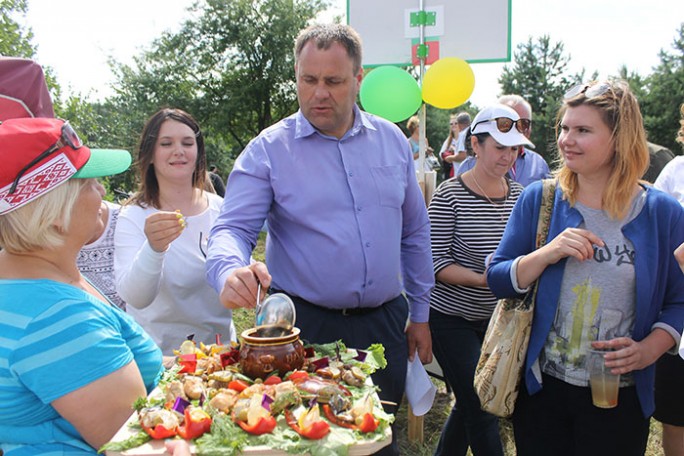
(503, 124)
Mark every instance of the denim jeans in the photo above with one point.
(456, 343)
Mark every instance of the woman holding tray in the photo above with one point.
(71, 362)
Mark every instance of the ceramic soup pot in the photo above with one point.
(261, 356)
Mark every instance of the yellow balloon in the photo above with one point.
(448, 83)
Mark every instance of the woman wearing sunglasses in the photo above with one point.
(161, 237)
(607, 279)
(71, 362)
(468, 215)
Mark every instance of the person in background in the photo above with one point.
(451, 154)
(162, 234)
(412, 125)
(659, 156)
(71, 364)
(607, 280)
(96, 258)
(669, 395)
(468, 215)
(529, 166)
(217, 181)
(348, 231)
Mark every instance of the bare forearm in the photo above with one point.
(455, 274)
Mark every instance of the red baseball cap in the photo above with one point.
(38, 154)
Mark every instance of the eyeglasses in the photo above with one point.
(504, 124)
(590, 91)
(68, 137)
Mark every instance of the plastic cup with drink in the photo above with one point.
(604, 385)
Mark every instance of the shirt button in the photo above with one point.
(367, 244)
(358, 209)
(350, 174)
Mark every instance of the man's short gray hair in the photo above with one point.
(515, 100)
(324, 35)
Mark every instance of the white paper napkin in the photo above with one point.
(420, 391)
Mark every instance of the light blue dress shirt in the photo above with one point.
(347, 223)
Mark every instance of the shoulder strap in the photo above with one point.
(545, 210)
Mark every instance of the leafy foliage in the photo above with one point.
(230, 65)
(664, 95)
(539, 74)
(15, 40)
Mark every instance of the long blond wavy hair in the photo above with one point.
(620, 111)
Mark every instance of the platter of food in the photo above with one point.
(316, 399)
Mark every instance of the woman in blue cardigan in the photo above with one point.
(607, 279)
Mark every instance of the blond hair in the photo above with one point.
(620, 111)
(40, 224)
(412, 124)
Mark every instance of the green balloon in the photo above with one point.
(391, 93)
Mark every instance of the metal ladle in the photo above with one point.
(275, 316)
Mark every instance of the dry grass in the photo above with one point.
(435, 418)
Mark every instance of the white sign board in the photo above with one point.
(475, 31)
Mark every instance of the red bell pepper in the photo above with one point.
(159, 432)
(188, 363)
(296, 375)
(369, 423)
(263, 426)
(335, 420)
(273, 380)
(315, 431)
(197, 422)
(238, 385)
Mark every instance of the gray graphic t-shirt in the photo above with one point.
(597, 299)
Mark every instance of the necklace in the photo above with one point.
(497, 207)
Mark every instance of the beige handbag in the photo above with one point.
(502, 358)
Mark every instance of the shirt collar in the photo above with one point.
(304, 128)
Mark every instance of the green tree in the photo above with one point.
(540, 75)
(231, 66)
(15, 40)
(664, 95)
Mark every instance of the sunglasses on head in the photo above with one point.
(588, 90)
(504, 124)
(68, 137)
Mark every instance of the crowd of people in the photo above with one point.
(96, 296)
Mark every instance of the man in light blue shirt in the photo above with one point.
(348, 232)
(529, 166)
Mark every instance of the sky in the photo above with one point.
(76, 37)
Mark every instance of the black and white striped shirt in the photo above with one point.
(464, 228)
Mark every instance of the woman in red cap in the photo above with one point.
(64, 347)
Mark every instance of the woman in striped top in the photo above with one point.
(468, 215)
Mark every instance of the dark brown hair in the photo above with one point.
(148, 189)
